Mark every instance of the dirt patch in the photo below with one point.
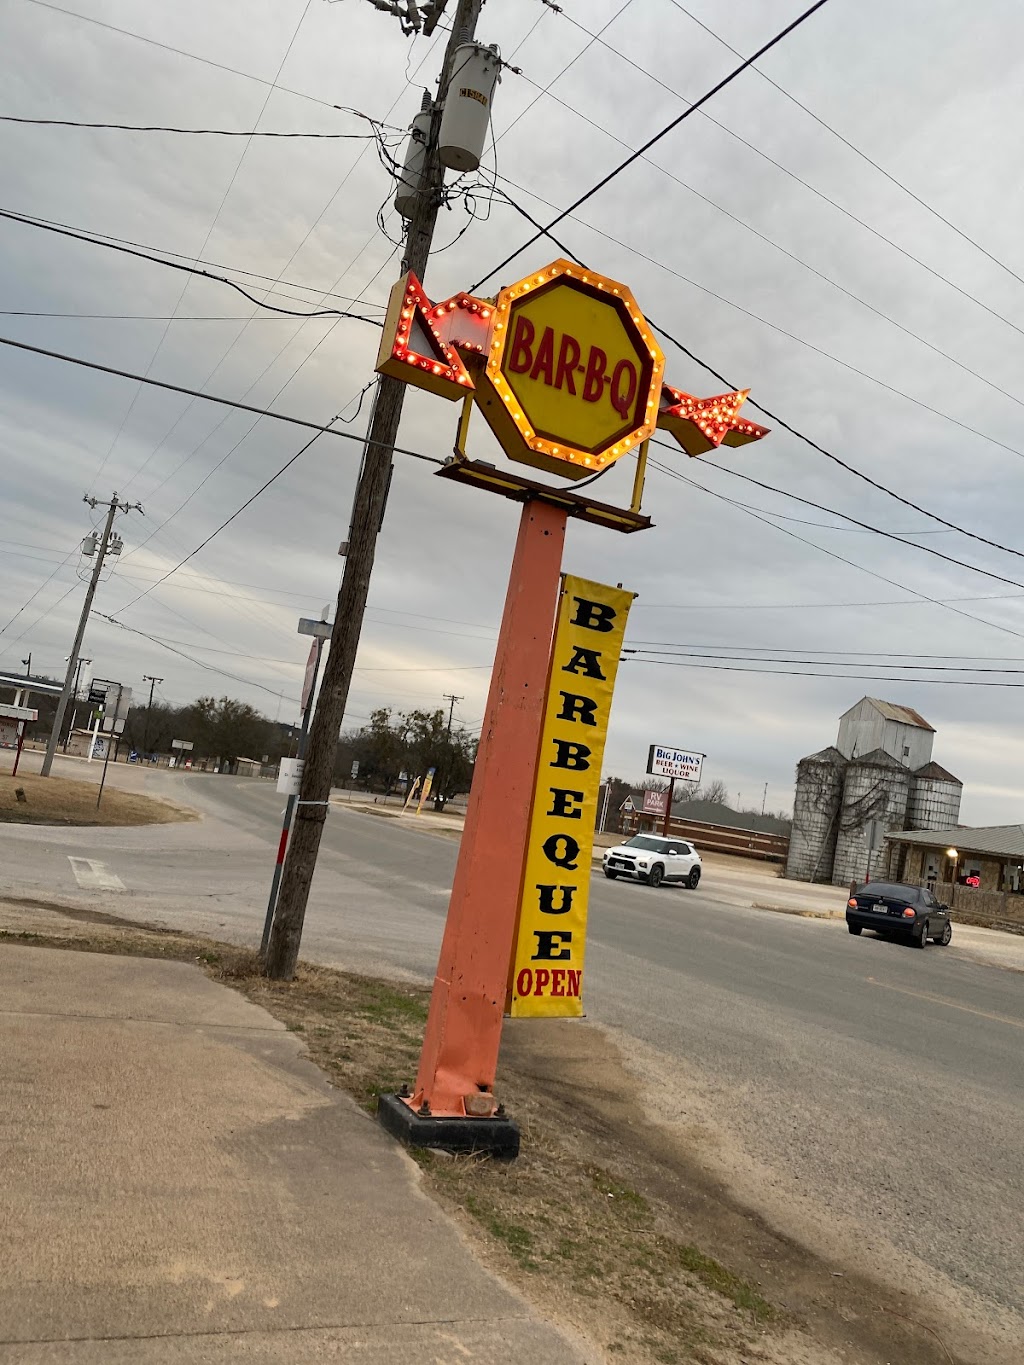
(61, 801)
(606, 1221)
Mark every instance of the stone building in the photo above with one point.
(878, 776)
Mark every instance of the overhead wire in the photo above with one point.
(207, 397)
(820, 194)
(192, 270)
(286, 266)
(206, 241)
(195, 132)
(99, 238)
(847, 676)
(746, 312)
(837, 663)
(857, 150)
(781, 422)
(663, 132)
(182, 52)
(200, 663)
(832, 554)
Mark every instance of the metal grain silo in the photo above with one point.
(816, 805)
(877, 787)
(934, 799)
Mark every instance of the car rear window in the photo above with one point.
(891, 889)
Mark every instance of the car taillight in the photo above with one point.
(909, 912)
(853, 904)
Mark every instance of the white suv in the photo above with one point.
(654, 860)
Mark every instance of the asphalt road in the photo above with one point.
(865, 1096)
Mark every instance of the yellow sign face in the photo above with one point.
(575, 371)
(547, 970)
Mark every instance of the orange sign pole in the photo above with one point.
(460, 1048)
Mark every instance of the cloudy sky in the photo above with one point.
(909, 370)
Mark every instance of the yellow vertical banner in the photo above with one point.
(546, 977)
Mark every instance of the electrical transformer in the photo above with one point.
(467, 108)
(410, 185)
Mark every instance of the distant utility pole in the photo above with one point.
(764, 798)
(447, 696)
(27, 665)
(367, 516)
(100, 545)
(148, 677)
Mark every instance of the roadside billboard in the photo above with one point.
(683, 764)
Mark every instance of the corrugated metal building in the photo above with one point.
(879, 770)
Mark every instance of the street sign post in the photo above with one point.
(320, 631)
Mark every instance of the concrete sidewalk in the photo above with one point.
(181, 1185)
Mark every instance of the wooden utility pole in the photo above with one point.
(102, 546)
(367, 515)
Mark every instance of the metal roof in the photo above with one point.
(906, 715)
(937, 771)
(1002, 841)
(877, 758)
(22, 683)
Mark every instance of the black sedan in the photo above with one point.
(899, 910)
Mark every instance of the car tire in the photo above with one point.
(693, 878)
(610, 874)
(854, 928)
(656, 875)
(944, 938)
(921, 940)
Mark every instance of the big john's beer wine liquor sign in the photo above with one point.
(570, 378)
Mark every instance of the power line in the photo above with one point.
(142, 317)
(727, 80)
(44, 226)
(654, 646)
(813, 606)
(739, 308)
(924, 597)
(850, 677)
(765, 157)
(181, 52)
(206, 242)
(886, 535)
(834, 663)
(195, 132)
(211, 398)
(853, 148)
(210, 668)
(295, 252)
(101, 238)
(779, 421)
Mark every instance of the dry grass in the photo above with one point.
(59, 801)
